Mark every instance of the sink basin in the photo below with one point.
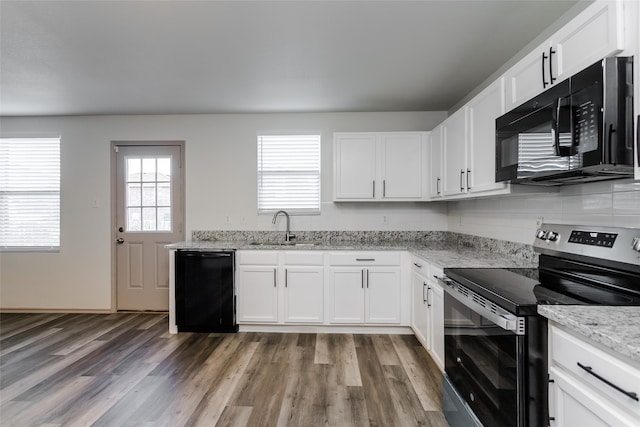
(299, 244)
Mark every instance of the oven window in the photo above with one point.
(481, 360)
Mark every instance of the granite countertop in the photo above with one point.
(438, 253)
(617, 328)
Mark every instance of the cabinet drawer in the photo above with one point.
(420, 266)
(304, 258)
(365, 258)
(258, 257)
(570, 352)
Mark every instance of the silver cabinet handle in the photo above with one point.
(438, 186)
(286, 278)
(362, 278)
(461, 177)
(365, 259)
(468, 173)
(367, 278)
(417, 265)
(275, 278)
(384, 188)
(374, 189)
(428, 296)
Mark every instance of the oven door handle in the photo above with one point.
(498, 316)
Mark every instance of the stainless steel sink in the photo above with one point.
(298, 244)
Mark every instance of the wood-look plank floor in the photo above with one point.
(127, 370)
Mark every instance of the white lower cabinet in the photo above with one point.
(382, 295)
(365, 287)
(304, 294)
(436, 321)
(257, 293)
(427, 316)
(280, 286)
(587, 385)
(365, 295)
(419, 309)
(347, 286)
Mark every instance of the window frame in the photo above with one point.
(317, 172)
(54, 190)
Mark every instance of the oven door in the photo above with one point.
(484, 362)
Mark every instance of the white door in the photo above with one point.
(149, 215)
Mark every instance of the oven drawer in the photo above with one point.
(587, 362)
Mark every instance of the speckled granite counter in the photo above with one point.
(440, 253)
(617, 328)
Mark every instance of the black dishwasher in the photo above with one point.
(205, 299)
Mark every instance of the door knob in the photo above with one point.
(119, 240)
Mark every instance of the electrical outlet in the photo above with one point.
(385, 220)
(539, 221)
(243, 219)
(227, 219)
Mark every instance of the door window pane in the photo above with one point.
(148, 194)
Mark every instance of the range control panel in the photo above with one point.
(611, 243)
(593, 238)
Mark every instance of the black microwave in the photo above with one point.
(579, 130)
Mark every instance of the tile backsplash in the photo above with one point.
(610, 203)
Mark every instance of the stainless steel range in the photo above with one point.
(496, 343)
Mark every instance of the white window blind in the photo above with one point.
(289, 173)
(29, 193)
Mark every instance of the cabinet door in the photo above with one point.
(401, 157)
(347, 290)
(257, 294)
(483, 111)
(436, 322)
(435, 162)
(528, 77)
(419, 309)
(355, 166)
(594, 34)
(382, 295)
(304, 294)
(455, 152)
(573, 404)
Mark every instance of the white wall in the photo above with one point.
(220, 181)
(610, 203)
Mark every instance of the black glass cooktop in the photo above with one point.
(521, 290)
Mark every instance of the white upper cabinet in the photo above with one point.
(484, 109)
(455, 143)
(435, 163)
(387, 166)
(402, 165)
(595, 33)
(354, 166)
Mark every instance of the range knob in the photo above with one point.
(636, 243)
(540, 234)
(552, 236)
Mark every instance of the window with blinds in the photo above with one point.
(289, 173)
(29, 194)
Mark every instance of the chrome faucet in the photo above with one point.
(289, 235)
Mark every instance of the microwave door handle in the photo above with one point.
(555, 127)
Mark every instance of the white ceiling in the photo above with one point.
(165, 57)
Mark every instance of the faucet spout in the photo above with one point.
(288, 236)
